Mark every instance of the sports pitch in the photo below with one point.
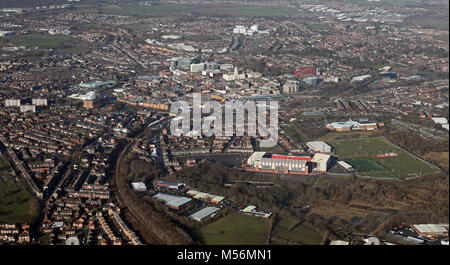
(362, 155)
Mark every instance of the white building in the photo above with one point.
(6, 33)
(59, 32)
(12, 103)
(361, 78)
(39, 101)
(204, 213)
(439, 120)
(240, 30)
(322, 162)
(235, 76)
(139, 186)
(291, 87)
(345, 165)
(319, 147)
(197, 67)
(27, 108)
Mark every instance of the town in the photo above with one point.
(87, 155)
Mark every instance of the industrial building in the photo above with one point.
(170, 185)
(319, 147)
(204, 213)
(251, 210)
(435, 230)
(173, 201)
(205, 196)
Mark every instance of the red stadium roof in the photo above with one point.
(305, 158)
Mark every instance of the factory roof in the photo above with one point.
(138, 185)
(203, 213)
(172, 200)
(431, 228)
(217, 199)
(249, 208)
(319, 146)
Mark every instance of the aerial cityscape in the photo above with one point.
(224, 122)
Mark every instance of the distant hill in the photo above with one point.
(33, 3)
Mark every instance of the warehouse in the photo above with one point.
(319, 147)
(174, 202)
(217, 199)
(205, 196)
(426, 230)
(170, 185)
(204, 213)
(251, 210)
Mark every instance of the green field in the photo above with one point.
(16, 205)
(236, 229)
(362, 154)
(302, 234)
(44, 41)
(365, 165)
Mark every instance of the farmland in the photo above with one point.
(362, 155)
(236, 229)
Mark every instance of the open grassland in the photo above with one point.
(286, 232)
(236, 229)
(16, 204)
(362, 154)
(40, 41)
